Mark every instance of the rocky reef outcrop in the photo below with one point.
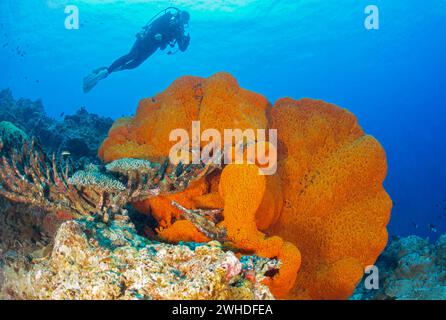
(80, 134)
(410, 268)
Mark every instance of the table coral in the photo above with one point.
(324, 213)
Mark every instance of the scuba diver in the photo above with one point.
(159, 33)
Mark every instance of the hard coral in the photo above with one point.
(29, 176)
(325, 206)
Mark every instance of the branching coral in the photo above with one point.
(30, 177)
(325, 206)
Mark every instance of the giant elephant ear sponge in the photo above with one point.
(335, 207)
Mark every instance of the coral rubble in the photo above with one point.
(92, 260)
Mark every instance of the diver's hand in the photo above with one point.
(187, 40)
(158, 37)
(183, 43)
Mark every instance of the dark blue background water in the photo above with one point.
(392, 79)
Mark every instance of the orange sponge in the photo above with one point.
(323, 214)
(335, 208)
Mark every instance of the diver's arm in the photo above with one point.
(183, 42)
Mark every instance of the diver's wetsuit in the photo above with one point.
(171, 29)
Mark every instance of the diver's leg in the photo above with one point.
(92, 80)
(133, 64)
(138, 60)
(120, 63)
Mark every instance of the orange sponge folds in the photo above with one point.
(323, 213)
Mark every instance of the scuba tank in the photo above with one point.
(146, 28)
(161, 12)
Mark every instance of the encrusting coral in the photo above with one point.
(323, 214)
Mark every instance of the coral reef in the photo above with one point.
(325, 207)
(79, 134)
(91, 260)
(28, 176)
(410, 268)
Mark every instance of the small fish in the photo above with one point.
(61, 215)
(432, 228)
(66, 154)
(62, 114)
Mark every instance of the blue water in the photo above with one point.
(392, 79)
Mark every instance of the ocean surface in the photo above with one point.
(392, 79)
